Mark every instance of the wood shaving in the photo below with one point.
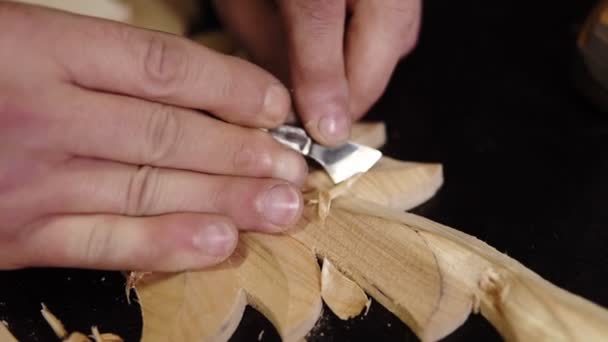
(107, 337)
(324, 198)
(96, 335)
(53, 322)
(77, 337)
(133, 278)
(368, 305)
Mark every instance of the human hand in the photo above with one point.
(106, 163)
(337, 55)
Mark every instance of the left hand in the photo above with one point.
(337, 55)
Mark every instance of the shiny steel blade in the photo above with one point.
(345, 161)
(340, 163)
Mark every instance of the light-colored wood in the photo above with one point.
(429, 275)
(162, 15)
(343, 296)
(53, 322)
(392, 264)
(517, 301)
(372, 134)
(274, 273)
(217, 40)
(171, 16)
(107, 9)
(5, 334)
(391, 183)
(77, 337)
(206, 307)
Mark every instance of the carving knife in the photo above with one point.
(340, 163)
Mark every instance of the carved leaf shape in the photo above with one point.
(274, 273)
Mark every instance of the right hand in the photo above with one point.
(105, 161)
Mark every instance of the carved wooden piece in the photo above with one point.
(429, 275)
(343, 296)
(273, 273)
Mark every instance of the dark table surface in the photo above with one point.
(488, 92)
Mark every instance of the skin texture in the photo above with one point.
(336, 55)
(122, 148)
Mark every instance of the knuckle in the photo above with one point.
(252, 156)
(162, 135)
(406, 16)
(321, 14)
(165, 66)
(410, 44)
(98, 243)
(142, 192)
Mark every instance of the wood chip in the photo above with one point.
(53, 322)
(96, 335)
(5, 334)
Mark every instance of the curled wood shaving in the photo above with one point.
(133, 278)
(368, 305)
(324, 198)
(53, 322)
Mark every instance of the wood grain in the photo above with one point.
(431, 276)
(273, 273)
(343, 296)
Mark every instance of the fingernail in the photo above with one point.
(276, 104)
(291, 167)
(215, 239)
(335, 128)
(281, 205)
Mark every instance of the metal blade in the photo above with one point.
(345, 161)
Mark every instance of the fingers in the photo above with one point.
(161, 67)
(258, 27)
(164, 243)
(379, 34)
(92, 186)
(315, 31)
(139, 132)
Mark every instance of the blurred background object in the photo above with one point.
(592, 68)
(172, 16)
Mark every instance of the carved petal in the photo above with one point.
(282, 279)
(278, 275)
(343, 296)
(192, 306)
(391, 263)
(390, 183)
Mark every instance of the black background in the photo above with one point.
(490, 93)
